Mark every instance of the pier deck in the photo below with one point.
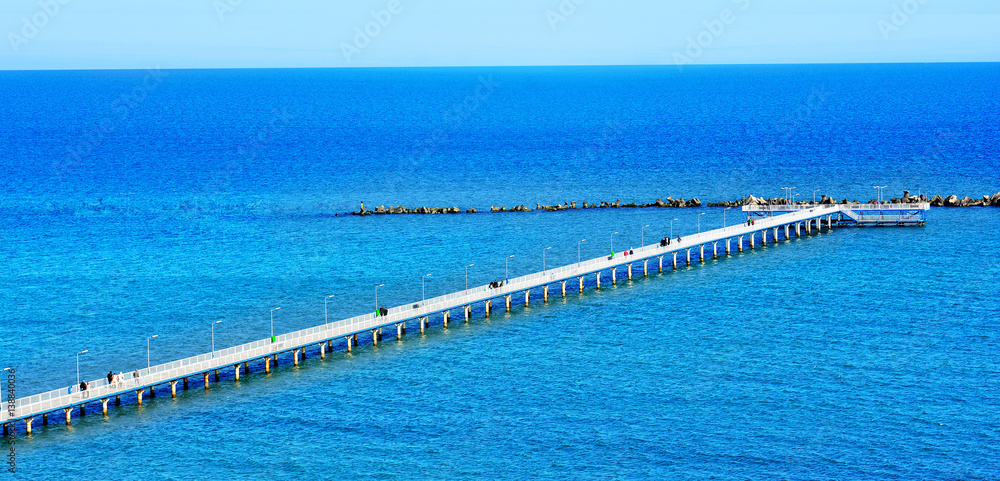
(772, 222)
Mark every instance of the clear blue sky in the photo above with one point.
(82, 34)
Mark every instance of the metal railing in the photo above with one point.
(174, 370)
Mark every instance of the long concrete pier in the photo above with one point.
(769, 224)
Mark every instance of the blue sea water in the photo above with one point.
(140, 203)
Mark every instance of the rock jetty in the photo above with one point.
(670, 202)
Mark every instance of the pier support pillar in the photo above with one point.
(69, 418)
(468, 312)
(763, 237)
(118, 402)
(423, 324)
(399, 331)
(350, 346)
(445, 317)
(527, 298)
(645, 267)
(581, 284)
(661, 264)
(564, 288)
(267, 359)
(28, 421)
(739, 243)
(6, 429)
(809, 226)
(173, 389)
(236, 372)
(701, 255)
(329, 345)
(246, 367)
(545, 293)
(786, 233)
(152, 391)
(104, 405)
(614, 276)
(185, 384)
(753, 241)
(205, 375)
(139, 393)
(322, 350)
(216, 375)
(715, 250)
(829, 222)
(675, 260)
(488, 307)
(374, 337)
(728, 249)
(598, 277)
(689, 256)
(507, 301)
(630, 272)
(83, 410)
(45, 419)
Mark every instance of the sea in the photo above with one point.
(140, 203)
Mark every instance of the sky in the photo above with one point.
(119, 34)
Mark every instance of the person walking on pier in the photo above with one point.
(135, 376)
(111, 377)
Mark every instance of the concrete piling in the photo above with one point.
(205, 375)
(564, 288)
(445, 317)
(581, 284)
(140, 392)
(527, 298)
(173, 388)
(236, 372)
(598, 276)
(104, 405)
(614, 276)
(68, 412)
(545, 293)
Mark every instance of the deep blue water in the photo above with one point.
(852, 354)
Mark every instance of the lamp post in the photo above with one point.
(543, 258)
(147, 350)
(672, 227)
(326, 315)
(642, 235)
(78, 365)
(423, 295)
(376, 296)
(814, 195)
(613, 242)
(724, 217)
(506, 273)
(272, 322)
(879, 188)
(467, 276)
(578, 250)
(793, 198)
(699, 222)
(213, 336)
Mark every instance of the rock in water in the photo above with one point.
(952, 201)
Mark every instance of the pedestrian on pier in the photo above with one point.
(135, 376)
(111, 377)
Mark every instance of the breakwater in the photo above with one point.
(670, 202)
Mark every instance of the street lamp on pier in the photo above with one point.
(147, 350)
(78, 365)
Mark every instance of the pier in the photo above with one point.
(771, 223)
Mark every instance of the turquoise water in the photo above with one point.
(851, 354)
